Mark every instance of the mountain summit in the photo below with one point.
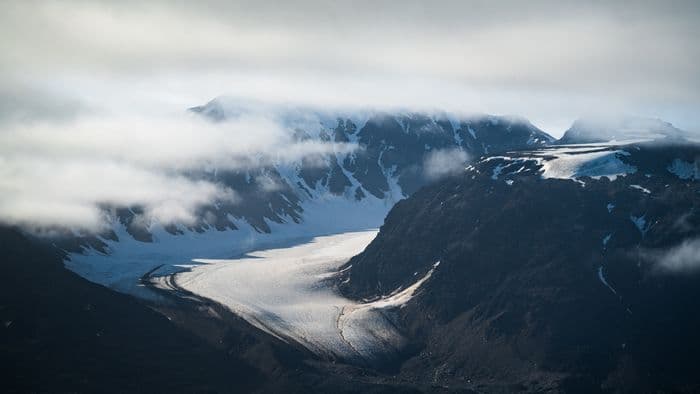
(592, 130)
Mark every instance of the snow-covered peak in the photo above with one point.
(588, 130)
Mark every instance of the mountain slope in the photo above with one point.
(564, 282)
(61, 333)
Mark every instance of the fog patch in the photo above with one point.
(66, 172)
(444, 162)
(268, 184)
(682, 258)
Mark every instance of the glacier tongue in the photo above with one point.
(286, 292)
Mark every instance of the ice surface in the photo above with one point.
(286, 292)
(567, 162)
(570, 163)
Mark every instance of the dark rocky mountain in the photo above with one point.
(389, 163)
(391, 150)
(548, 284)
(562, 268)
(390, 144)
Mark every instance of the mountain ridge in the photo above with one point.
(547, 283)
(395, 155)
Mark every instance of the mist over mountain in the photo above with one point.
(511, 259)
(367, 197)
(366, 162)
(590, 130)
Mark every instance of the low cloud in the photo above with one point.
(445, 162)
(682, 258)
(267, 184)
(64, 172)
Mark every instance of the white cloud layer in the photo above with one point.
(682, 258)
(64, 172)
(550, 61)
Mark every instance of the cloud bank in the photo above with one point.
(66, 172)
(550, 61)
(682, 258)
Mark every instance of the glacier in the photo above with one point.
(288, 293)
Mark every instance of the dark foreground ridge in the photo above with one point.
(63, 334)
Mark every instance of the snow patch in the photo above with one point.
(569, 164)
(601, 277)
(639, 187)
(471, 131)
(606, 240)
(641, 223)
(497, 171)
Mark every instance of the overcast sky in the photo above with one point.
(548, 61)
(79, 78)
